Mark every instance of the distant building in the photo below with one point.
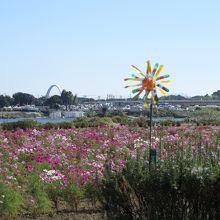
(55, 114)
(73, 114)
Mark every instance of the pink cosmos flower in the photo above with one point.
(29, 166)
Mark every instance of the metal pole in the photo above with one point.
(151, 113)
(152, 153)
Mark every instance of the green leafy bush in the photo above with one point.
(140, 121)
(91, 122)
(105, 121)
(72, 195)
(24, 124)
(58, 125)
(168, 190)
(123, 120)
(166, 123)
(10, 201)
(207, 122)
(37, 190)
(81, 122)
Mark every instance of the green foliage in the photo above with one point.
(168, 190)
(123, 120)
(140, 121)
(166, 112)
(104, 111)
(206, 122)
(84, 122)
(10, 201)
(54, 192)
(40, 101)
(37, 190)
(68, 98)
(23, 98)
(81, 122)
(5, 101)
(173, 97)
(54, 102)
(205, 115)
(58, 125)
(216, 95)
(166, 122)
(104, 120)
(24, 124)
(72, 195)
(20, 124)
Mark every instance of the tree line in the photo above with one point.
(213, 96)
(67, 98)
(19, 99)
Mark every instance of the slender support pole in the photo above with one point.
(152, 152)
(151, 113)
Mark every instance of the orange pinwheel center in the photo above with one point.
(148, 83)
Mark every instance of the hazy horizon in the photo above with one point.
(87, 47)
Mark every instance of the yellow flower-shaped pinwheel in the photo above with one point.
(149, 83)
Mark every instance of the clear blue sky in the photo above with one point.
(87, 46)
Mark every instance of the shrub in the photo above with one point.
(37, 190)
(178, 123)
(123, 120)
(64, 125)
(140, 121)
(72, 194)
(24, 124)
(10, 201)
(81, 122)
(105, 121)
(166, 123)
(91, 122)
(49, 125)
(167, 191)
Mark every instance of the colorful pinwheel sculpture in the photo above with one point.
(149, 83)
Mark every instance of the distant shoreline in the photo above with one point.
(17, 115)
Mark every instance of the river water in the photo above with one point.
(40, 120)
(54, 120)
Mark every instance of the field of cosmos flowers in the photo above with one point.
(42, 169)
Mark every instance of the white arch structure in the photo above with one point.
(48, 91)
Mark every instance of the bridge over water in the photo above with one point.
(187, 102)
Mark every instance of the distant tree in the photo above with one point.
(173, 97)
(23, 98)
(75, 100)
(207, 97)
(54, 101)
(40, 101)
(200, 97)
(197, 97)
(104, 110)
(5, 101)
(68, 98)
(216, 95)
(83, 99)
(9, 100)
